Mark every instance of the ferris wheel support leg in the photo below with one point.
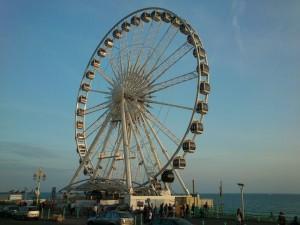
(125, 146)
(97, 167)
(109, 174)
(138, 143)
(92, 148)
(168, 157)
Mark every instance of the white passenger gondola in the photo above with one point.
(101, 52)
(189, 146)
(146, 17)
(201, 52)
(185, 28)
(166, 17)
(176, 21)
(80, 112)
(135, 20)
(203, 69)
(196, 127)
(194, 40)
(82, 99)
(204, 88)
(90, 75)
(155, 15)
(202, 107)
(86, 87)
(81, 147)
(117, 34)
(167, 176)
(109, 43)
(82, 152)
(79, 125)
(179, 162)
(95, 63)
(80, 136)
(125, 26)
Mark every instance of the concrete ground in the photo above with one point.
(82, 221)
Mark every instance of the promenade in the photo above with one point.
(82, 221)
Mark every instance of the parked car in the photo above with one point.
(112, 218)
(27, 212)
(170, 221)
(8, 211)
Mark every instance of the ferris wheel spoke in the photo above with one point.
(162, 45)
(172, 82)
(104, 75)
(149, 42)
(168, 104)
(152, 147)
(98, 107)
(169, 61)
(105, 142)
(167, 157)
(100, 92)
(141, 50)
(153, 150)
(93, 124)
(114, 66)
(163, 128)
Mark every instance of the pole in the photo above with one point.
(194, 196)
(242, 199)
(241, 185)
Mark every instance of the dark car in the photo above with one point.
(112, 218)
(27, 212)
(9, 211)
(171, 221)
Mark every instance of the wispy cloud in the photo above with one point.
(238, 8)
(25, 150)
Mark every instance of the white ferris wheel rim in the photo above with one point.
(197, 92)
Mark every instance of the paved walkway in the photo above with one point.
(82, 221)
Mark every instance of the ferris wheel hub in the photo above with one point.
(132, 88)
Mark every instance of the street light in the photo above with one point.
(38, 176)
(241, 185)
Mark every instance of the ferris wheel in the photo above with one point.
(141, 102)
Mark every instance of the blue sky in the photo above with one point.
(253, 126)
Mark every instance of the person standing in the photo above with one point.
(150, 215)
(161, 209)
(187, 210)
(193, 209)
(281, 219)
(174, 210)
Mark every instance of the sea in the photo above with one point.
(259, 204)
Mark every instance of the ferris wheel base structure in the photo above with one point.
(140, 106)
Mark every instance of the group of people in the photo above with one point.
(165, 210)
(281, 218)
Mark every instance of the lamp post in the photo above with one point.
(38, 176)
(241, 185)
